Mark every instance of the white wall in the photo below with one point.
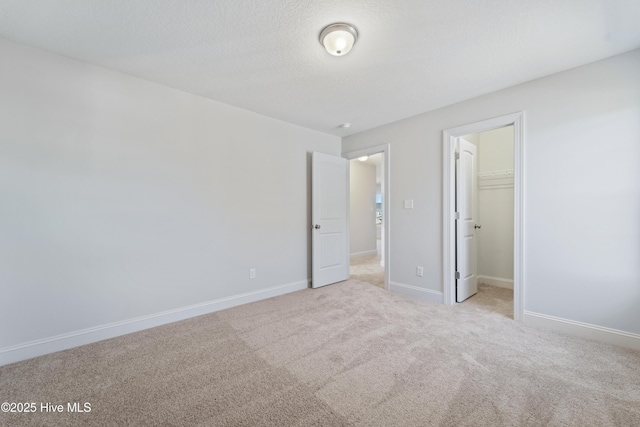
(582, 190)
(495, 206)
(362, 209)
(121, 198)
(495, 149)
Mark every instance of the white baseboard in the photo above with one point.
(40, 347)
(583, 330)
(496, 281)
(414, 291)
(363, 254)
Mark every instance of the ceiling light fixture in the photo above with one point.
(339, 38)
(363, 158)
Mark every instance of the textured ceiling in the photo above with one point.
(412, 56)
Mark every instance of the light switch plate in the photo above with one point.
(408, 204)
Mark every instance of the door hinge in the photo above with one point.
(456, 215)
(457, 275)
(457, 154)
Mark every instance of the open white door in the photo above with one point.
(466, 243)
(329, 216)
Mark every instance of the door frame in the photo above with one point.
(448, 195)
(385, 149)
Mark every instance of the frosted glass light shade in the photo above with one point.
(338, 39)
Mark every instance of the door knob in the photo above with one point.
(317, 226)
(477, 226)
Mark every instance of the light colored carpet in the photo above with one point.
(367, 269)
(348, 354)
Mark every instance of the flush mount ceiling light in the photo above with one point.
(363, 158)
(338, 39)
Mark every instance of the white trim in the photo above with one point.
(416, 292)
(43, 346)
(385, 149)
(583, 330)
(448, 170)
(363, 254)
(499, 282)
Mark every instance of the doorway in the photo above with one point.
(492, 217)
(369, 229)
(450, 137)
(366, 220)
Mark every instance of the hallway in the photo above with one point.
(368, 269)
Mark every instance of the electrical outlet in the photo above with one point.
(419, 271)
(252, 273)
